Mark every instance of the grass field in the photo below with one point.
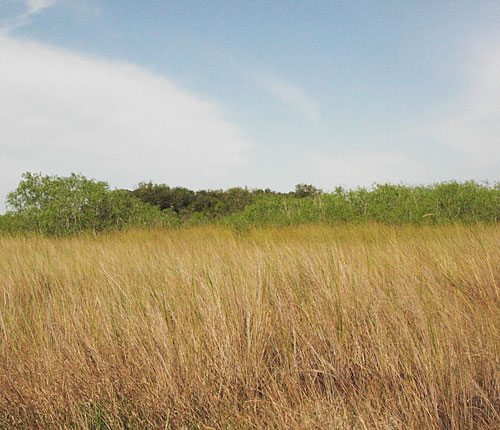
(348, 327)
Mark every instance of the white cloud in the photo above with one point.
(472, 125)
(62, 112)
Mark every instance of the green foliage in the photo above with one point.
(185, 202)
(56, 206)
(305, 190)
(448, 202)
(177, 199)
(14, 223)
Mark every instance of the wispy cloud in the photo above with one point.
(289, 94)
(31, 7)
(35, 6)
(62, 112)
(472, 124)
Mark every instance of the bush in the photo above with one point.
(57, 206)
(447, 202)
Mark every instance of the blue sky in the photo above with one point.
(211, 94)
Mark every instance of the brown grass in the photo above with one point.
(353, 327)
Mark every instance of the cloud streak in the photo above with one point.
(472, 125)
(35, 6)
(62, 112)
(32, 7)
(296, 98)
(290, 95)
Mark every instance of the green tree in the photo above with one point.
(306, 190)
(55, 206)
(179, 199)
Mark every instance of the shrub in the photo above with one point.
(56, 206)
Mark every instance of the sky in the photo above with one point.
(217, 94)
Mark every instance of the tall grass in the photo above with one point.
(347, 327)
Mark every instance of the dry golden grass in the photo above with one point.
(352, 327)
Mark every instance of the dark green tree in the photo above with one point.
(306, 190)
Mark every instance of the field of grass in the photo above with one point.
(312, 327)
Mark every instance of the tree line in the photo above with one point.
(56, 206)
(210, 203)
